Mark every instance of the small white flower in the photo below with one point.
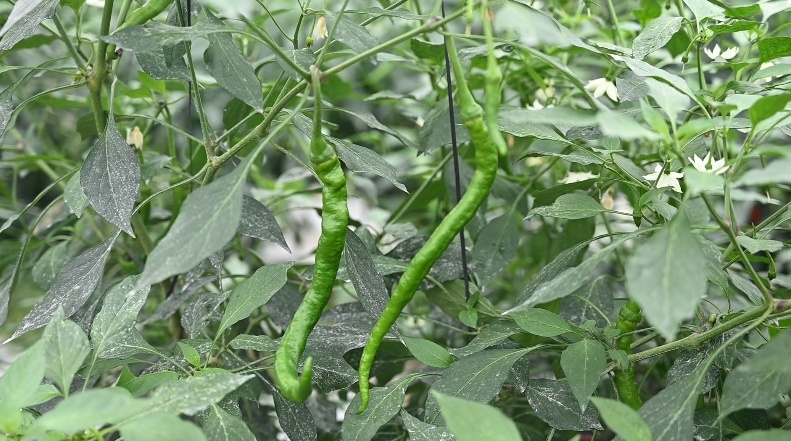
(669, 179)
(725, 55)
(95, 3)
(547, 92)
(321, 28)
(577, 177)
(709, 165)
(420, 121)
(135, 138)
(600, 86)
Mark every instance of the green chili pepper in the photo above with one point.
(334, 221)
(629, 317)
(145, 13)
(477, 192)
(493, 78)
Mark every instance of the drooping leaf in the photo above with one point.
(367, 281)
(471, 421)
(554, 403)
(295, 419)
(478, 377)
(90, 409)
(364, 160)
(71, 288)
(221, 425)
(495, 247)
(384, 404)
(6, 107)
(541, 322)
(65, 346)
(655, 35)
(622, 419)
(23, 21)
(48, 265)
(162, 427)
(254, 292)
(193, 394)
(757, 245)
(583, 363)
(666, 276)
(74, 196)
(20, 381)
(348, 32)
(428, 352)
(228, 66)
(155, 35)
(208, 219)
(570, 206)
(258, 222)
(260, 343)
(110, 177)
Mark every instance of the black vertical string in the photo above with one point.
(456, 169)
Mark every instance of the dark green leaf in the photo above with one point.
(331, 371)
(193, 394)
(667, 276)
(115, 323)
(48, 265)
(420, 431)
(583, 363)
(655, 36)
(669, 413)
(774, 47)
(767, 106)
(303, 58)
(258, 222)
(587, 302)
(554, 403)
(71, 288)
(254, 292)
(110, 177)
(154, 36)
(471, 421)
(384, 405)
(367, 281)
(428, 352)
(139, 386)
(495, 246)
(570, 206)
(364, 160)
(155, 64)
(295, 419)
(354, 36)
(623, 420)
(223, 426)
(541, 322)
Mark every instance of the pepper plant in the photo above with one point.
(395, 220)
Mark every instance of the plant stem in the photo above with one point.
(96, 78)
(69, 45)
(616, 26)
(204, 121)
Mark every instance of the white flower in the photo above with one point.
(135, 138)
(321, 28)
(600, 86)
(95, 3)
(547, 92)
(577, 177)
(702, 165)
(725, 55)
(669, 179)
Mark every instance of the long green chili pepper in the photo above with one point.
(145, 13)
(334, 221)
(629, 317)
(477, 192)
(493, 78)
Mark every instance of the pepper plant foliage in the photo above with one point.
(627, 274)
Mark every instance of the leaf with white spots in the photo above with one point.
(554, 403)
(258, 222)
(584, 363)
(221, 425)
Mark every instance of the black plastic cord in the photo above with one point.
(456, 169)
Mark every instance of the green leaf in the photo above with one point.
(370, 120)
(623, 127)
(74, 196)
(774, 173)
(66, 347)
(773, 47)
(767, 106)
(258, 222)
(21, 380)
(428, 352)
(755, 246)
(260, 343)
(193, 394)
(303, 58)
(516, 122)
(156, 65)
(479, 377)
(570, 206)
(703, 9)
(666, 276)
(115, 323)
(643, 69)
(584, 363)
(207, 221)
(420, 431)
(295, 419)
(563, 261)
(190, 354)
(495, 246)
(670, 100)
(368, 283)
(364, 160)
(154, 36)
(139, 386)
(471, 421)
(561, 116)
(10, 419)
(23, 21)
(71, 288)
(223, 426)
(765, 435)
(698, 182)
(554, 403)
(623, 420)
(90, 409)
(228, 66)
(110, 177)
(655, 36)
(541, 322)
(48, 265)
(670, 413)
(384, 405)
(161, 427)
(331, 371)
(567, 280)
(354, 36)
(254, 292)
(401, 13)
(590, 302)
(758, 382)
(6, 106)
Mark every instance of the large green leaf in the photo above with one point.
(90, 409)
(774, 47)
(495, 246)
(71, 288)
(471, 421)
(162, 427)
(258, 222)
(623, 420)
(541, 322)
(193, 394)
(110, 177)
(670, 413)
(66, 347)
(364, 160)
(584, 363)
(114, 325)
(155, 35)
(207, 221)
(19, 383)
(220, 425)
(356, 37)
(420, 431)
(666, 276)
(428, 352)
(384, 405)
(254, 292)
(23, 21)
(295, 419)
(478, 377)
(368, 283)
(767, 106)
(228, 66)
(554, 403)
(774, 173)
(48, 265)
(570, 206)
(655, 36)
